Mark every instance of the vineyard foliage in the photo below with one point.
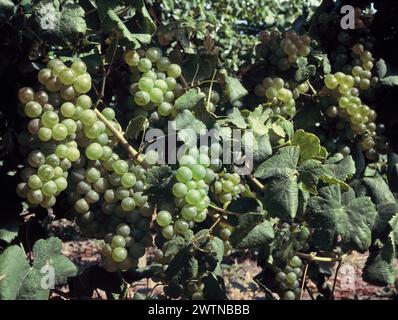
(92, 88)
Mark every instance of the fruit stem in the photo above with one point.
(257, 183)
(313, 257)
(134, 155)
(214, 207)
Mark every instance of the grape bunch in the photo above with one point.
(228, 188)
(288, 279)
(281, 99)
(154, 77)
(283, 49)
(193, 176)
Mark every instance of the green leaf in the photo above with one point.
(13, 270)
(260, 235)
(214, 287)
(258, 146)
(379, 268)
(333, 214)
(135, 127)
(158, 177)
(310, 171)
(257, 120)
(343, 169)
(281, 194)
(309, 144)
(237, 119)
(72, 20)
(378, 190)
(32, 289)
(190, 99)
(382, 227)
(48, 252)
(286, 157)
(234, 89)
(381, 68)
(391, 81)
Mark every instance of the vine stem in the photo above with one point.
(119, 135)
(257, 183)
(314, 257)
(304, 280)
(215, 208)
(335, 277)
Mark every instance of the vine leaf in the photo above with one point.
(378, 190)
(390, 81)
(310, 145)
(190, 99)
(234, 89)
(333, 214)
(136, 126)
(13, 270)
(253, 237)
(7, 9)
(379, 268)
(257, 120)
(311, 172)
(214, 287)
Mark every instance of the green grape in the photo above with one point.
(169, 96)
(145, 84)
(171, 84)
(225, 197)
(73, 154)
(153, 54)
(49, 188)
(227, 186)
(53, 160)
(35, 196)
(128, 204)
(344, 102)
(289, 295)
(131, 57)
(184, 174)
(165, 109)
(119, 254)
(49, 119)
(163, 218)
(280, 276)
(106, 153)
(144, 65)
(67, 109)
(295, 262)
(128, 180)
(187, 160)
(79, 67)
(156, 95)
(44, 134)
(204, 160)
(88, 117)
(59, 132)
(43, 75)
(179, 189)
(34, 182)
(67, 76)
(291, 277)
(284, 94)
(120, 167)
(174, 70)
(45, 172)
(193, 197)
(81, 206)
(161, 84)
(181, 226)
(142, 98)
(278, 83)
(82, 83)
(189, 212)
(61, 183)
(26, 94)
(84, 101)
(94, 151)
(331, 81)
(108, 113)
(198, 172)
(61, 151)
(150, 74)
(225, 234)
(92, 175)
(33, 109)
(93, 131)
(168, 232)
(201, 216)
(70, 125)
(163, 64)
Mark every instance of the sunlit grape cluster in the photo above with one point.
(288, 280)
(281, 99)
(283, 49)
(154, 77)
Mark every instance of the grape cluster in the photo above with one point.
(281, 99)
(228, 188)
(154, 77)
(283, 49)
(76, 154)
(288, 279)
(193, 176)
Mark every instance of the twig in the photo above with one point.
(210, 90)
(214, 207)
(314, 257)
(214, 225)
(257, 183)
(335, 277)
(184, 81)
(304, 280)
(309, 292)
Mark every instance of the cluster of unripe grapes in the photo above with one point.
(193, 176)
(228, 188)
(154, 78)
(287, 281)
(283, 49)
(281, 99)
(75, 154)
